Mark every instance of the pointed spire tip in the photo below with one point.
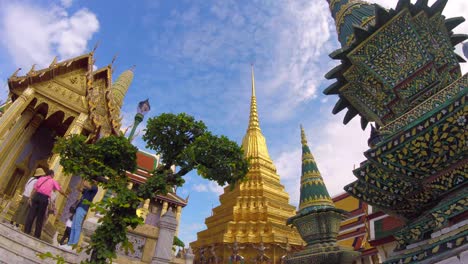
(303, 136)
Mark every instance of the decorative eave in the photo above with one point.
(113, 113)
(172, 198)
(32, 77)
(140, 176)
(407, 172)
(382, 16)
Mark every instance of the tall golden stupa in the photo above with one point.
(250, 223)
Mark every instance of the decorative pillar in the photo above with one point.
(167, 227)
(178, 214)
(8, 167)
(75, 128)
(15, 109)
(189, 256)
(8, 145)
(164, 208)
(143, 211)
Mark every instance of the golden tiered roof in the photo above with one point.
(255, 211)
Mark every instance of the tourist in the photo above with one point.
(68, 224)
(87, 194)
(39, 202)
(51, 208)
(22, 211)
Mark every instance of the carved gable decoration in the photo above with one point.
(104, 112)
(72, 87)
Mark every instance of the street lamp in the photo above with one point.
(142, 109)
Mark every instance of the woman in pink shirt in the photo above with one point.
(39, 201)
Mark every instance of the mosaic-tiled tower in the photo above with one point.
(318, 220)
(399, 70)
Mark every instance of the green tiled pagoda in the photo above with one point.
(314, 194)
(318, 221)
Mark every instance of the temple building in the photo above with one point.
(145, 237)
(65, 98)
(365, 229)
(399, 70)
(68, 98)
(250, 222)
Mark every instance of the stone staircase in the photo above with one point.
(19, 248)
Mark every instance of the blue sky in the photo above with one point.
(194, 57)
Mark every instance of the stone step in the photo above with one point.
(17, 247)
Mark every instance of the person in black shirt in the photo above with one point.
(88, 193)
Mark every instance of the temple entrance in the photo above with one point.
(34, 149)
(27, 146)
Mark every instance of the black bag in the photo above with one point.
(74, 206)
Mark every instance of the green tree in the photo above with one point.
(179, 139)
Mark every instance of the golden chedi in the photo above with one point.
(250, 224)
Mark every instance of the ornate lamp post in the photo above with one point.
(142, 109)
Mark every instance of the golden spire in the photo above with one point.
(253, 119)
(120, 87)
(303, 137)
(254, 143)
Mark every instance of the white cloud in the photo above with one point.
(303, 42)
(288, 165)
(208, 187)
(66, 3)
(200, 187)
(33, 34)
(284, 39)
(336, 148)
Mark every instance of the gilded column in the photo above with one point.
(16, 108)
(178, 214)
(8, 167)
(75, 128)
(164, 208)
(144, 210)
(7, 145)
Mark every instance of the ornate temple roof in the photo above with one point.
(88, 91)
(146, 163)
(314, 194)
(55, 68)
(422, 61)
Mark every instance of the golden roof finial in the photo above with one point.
(114, 58)
(32, 70)
(303, 136)
(54, 61)
(96, 46)
(253, 119)
(15, 74)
